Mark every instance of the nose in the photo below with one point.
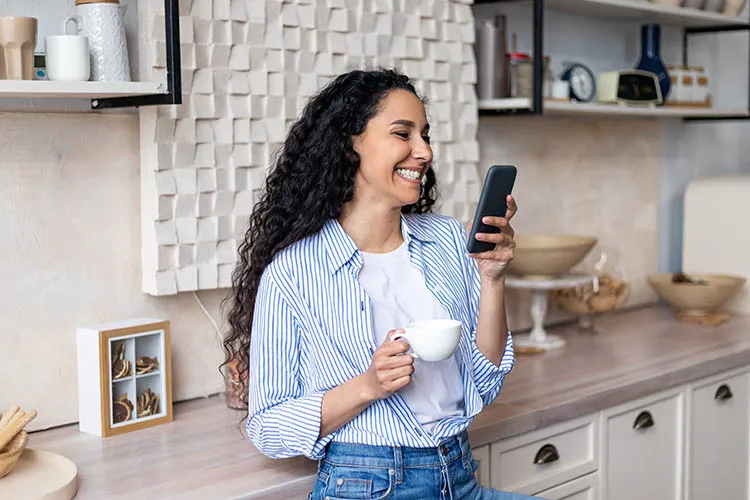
(422, 151)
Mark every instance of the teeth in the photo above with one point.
(409, 174)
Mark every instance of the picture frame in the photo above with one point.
(124, 376)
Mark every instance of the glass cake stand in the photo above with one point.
(538, 337)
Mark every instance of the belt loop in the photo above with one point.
(398, 464)
(463, 441)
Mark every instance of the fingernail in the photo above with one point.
(486, 220)
(480, 236)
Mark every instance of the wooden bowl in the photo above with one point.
(544, 257)
(12, 452)
(695, 299)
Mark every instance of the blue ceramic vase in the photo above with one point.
(651, 58)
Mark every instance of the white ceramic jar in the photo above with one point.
(102, 21)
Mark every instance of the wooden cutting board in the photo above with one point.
(41, 474)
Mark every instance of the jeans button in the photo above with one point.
(443, 450)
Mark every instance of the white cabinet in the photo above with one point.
(691, 442)
(643, 448)
(583, 488)
(718, 438)
(482, 455)
(545, 458)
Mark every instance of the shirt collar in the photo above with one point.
(341, 248)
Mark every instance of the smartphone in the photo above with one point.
(497, 186)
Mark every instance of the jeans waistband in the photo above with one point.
(400, 457)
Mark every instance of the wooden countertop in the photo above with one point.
(203, 454)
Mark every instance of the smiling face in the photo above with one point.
(394, 152)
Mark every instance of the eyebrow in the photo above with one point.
(409, 123)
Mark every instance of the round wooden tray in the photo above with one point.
(41, 474)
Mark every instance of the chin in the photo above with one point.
(409, 200)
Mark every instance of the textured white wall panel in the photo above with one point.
(248, 68)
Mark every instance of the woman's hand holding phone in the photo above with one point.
(491, 241)
(494, 263)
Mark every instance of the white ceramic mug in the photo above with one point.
(432, 340)
(67, 58)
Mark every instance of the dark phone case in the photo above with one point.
(497, 186)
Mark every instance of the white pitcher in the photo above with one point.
(102, 22)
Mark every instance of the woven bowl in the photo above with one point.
(696, 299)
(544, 257)
(12, 452)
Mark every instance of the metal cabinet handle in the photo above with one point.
(723, 393)
(644, 420)
(546, 454)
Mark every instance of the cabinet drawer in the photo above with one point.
(643, 444)
(718, 437)
(583, 488)
(545, 458)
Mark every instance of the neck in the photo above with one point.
(373, 228)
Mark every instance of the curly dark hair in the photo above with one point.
(311, 179)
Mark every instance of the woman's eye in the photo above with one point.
(426, 138)
(403, 135)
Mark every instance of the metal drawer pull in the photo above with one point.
(546, 454)
(644, 420)
(723, 393)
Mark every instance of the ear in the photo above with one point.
(357, 142)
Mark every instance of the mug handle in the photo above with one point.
(400, 336)
(78, 20)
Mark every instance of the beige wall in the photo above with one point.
(70, 225)
(598, 177)
(69, 215)
(70, 222)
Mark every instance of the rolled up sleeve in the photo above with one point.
(488, 377)
(282, 422)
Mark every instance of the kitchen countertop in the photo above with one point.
(202, 454)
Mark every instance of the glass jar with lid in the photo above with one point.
(521, 74)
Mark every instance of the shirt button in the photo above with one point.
(444, 450)
(340, 481)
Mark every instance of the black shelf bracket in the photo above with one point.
(686, 34)
(536, 104)
(174, 68)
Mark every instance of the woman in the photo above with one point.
(341, 252)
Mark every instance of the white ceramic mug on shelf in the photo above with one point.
(432, 340)
(67, 58)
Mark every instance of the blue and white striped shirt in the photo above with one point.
(312, 331)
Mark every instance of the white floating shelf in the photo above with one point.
(574, 108)
(642, 11)
(508, 103)
(39, 89)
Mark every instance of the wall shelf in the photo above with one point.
(523, 106)
(693, 22)
(77, 90)
(106, 95)
(641, 11)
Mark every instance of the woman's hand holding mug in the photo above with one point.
(390, 368)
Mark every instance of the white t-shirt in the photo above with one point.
(398, 296)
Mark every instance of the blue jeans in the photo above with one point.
(353, 471)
